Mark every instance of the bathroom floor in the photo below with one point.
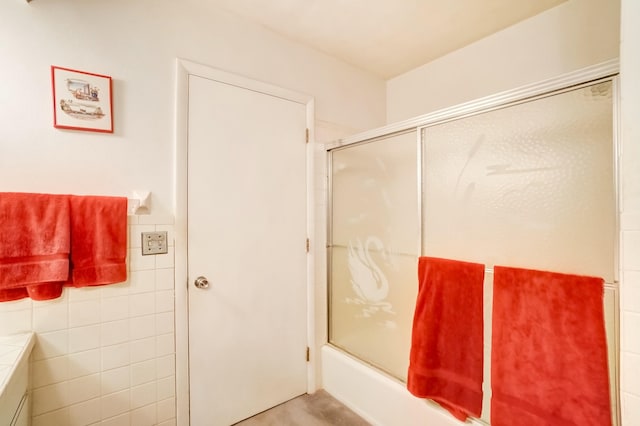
(319, 409)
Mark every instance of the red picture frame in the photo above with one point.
(81, 100)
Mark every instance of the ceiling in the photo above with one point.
(386, 37)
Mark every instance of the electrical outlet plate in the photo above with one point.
(154, 243)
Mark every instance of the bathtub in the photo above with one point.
(378, 398)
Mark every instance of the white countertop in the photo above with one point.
(13, 349)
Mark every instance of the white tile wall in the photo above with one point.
(630, 409)
(56, 417)
(630, 318)
(86, 412)
(630, 218)
(105, 355)
(630, 288)
(144, 416)
(143, 372)
(166, 410)
(631, 378)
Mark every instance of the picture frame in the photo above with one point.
(81, 100)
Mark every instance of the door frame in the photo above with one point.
(184, 69)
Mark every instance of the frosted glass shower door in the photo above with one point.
(374, 246)
(530, 185)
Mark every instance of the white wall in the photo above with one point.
(136, 43)
(630, 219)
(106, 355)
(568, 37)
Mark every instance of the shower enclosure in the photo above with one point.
(529, 183)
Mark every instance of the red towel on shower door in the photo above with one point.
(446, 357)
(549, 350)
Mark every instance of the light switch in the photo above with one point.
(154, 243)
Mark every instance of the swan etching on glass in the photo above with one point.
(367, 279)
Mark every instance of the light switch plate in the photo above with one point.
(154, 243)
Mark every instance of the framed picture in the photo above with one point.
(81, 100)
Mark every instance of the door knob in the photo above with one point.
(201, 282)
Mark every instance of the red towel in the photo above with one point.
(98, 240)
(10, 294)
(34, 245)
(549, 350)
(446, 346)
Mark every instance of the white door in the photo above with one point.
(246, 235)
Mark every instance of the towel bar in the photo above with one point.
(608, 285)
